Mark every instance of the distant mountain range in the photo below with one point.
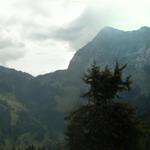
(32, 109)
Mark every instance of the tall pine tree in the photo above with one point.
(104, 124)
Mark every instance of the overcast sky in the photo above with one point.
(40, 36)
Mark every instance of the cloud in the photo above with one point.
(78, 32)
(10, 48)
(33, 32)
(95, 15)
(82, 30)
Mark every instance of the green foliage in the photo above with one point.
(14, 106)
(26, 110)
(102, 123)
(30, 147)
(105, 85)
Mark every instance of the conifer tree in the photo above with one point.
(105, 84)
(104, 124)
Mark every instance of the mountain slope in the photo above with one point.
(38, 104)
(110, 45)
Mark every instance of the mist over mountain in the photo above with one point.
(29, 104)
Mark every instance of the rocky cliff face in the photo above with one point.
(111, 45)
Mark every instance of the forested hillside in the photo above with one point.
(32, 109)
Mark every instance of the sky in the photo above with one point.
(41, 36)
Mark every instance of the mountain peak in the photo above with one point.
(108, 28)
(108, 32)
(144, 28)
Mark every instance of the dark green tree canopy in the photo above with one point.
(104, 124)
(109, 127)
(105, 84)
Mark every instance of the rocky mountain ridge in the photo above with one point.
(29, 104)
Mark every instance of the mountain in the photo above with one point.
(110, 45)
(27, 113)
(32, 109)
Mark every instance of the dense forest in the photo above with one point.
(102, 122)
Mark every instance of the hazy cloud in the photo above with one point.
(82, 30)
(33, 32)
(10, 47)
(78, 32)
